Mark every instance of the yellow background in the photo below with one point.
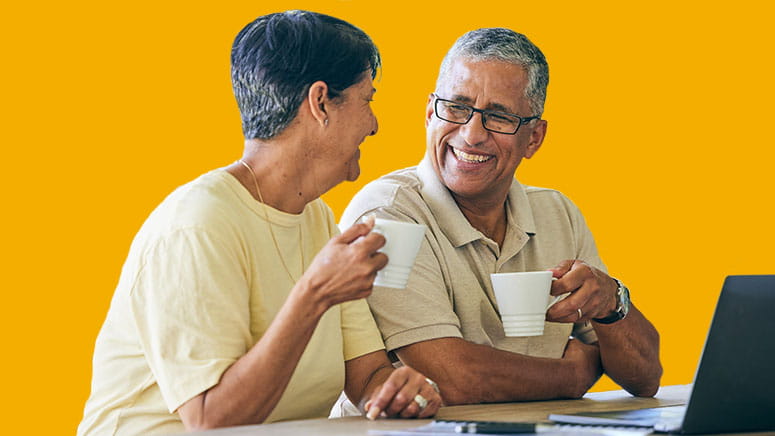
(659, 129)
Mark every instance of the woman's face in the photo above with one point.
(351, 120)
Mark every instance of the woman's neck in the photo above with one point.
(283, 181)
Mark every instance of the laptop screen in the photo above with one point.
(734, 387)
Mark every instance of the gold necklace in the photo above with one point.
(271, 231)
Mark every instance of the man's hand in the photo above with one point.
(592, 293)
(345, 268)
(629, 348)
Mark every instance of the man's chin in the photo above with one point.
(460, 187)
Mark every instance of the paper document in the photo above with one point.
(458, 428)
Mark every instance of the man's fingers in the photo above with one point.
(569, 282)
(573, 278)
(562, 268)
(560, 287)
(567, 310)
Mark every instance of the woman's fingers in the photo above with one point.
(406, 393)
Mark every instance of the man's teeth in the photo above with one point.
(467, 157)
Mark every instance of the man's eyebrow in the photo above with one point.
(461, 98)
(492, 106)
(499, 107)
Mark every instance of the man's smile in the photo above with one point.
(470, 157)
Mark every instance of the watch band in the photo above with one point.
(622, 306)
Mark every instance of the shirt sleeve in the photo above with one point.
(423, 310)
(359, 332)
(190, 305)
(586, 249)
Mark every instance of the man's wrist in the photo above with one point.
(622, 305)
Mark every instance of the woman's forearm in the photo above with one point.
(251, 388)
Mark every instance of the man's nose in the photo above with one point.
(473, 131)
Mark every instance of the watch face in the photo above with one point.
(624, 300)
(622, 306)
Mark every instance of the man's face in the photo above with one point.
(472, 162)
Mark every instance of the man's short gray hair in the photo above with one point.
(508, 46)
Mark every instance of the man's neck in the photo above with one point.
(487, 216)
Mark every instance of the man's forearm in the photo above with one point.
(468, 373)
(629, 350)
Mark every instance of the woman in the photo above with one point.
(239, 302)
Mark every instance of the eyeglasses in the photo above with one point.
(494, 121)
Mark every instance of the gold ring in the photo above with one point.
(580, 314)
(421, 401)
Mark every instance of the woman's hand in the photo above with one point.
(345, 268)
(405, 394)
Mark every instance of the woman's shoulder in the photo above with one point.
(209, 202)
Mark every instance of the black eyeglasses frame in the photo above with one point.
(485, 113)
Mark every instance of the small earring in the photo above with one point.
(325, 121)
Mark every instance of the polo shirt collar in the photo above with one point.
(520, 212)
(452, 221)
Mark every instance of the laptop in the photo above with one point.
(734, 386)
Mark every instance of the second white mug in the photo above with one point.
(523, 299)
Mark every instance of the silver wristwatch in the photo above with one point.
(622, 305)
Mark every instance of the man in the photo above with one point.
(482, 120)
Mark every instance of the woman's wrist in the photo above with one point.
(305, 294)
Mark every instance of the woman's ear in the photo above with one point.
(318, 101)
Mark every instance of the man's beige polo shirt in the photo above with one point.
(449, 293)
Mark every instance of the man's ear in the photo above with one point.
(318, 101)
(536, 138)
(429, 110)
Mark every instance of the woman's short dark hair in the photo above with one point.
(278, 56)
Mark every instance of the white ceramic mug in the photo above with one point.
(402, 243)
(523, 299)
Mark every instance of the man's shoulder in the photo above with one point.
(539, 195)
(549, 202)
(537, 191)
(396, 190)
(406, 179)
